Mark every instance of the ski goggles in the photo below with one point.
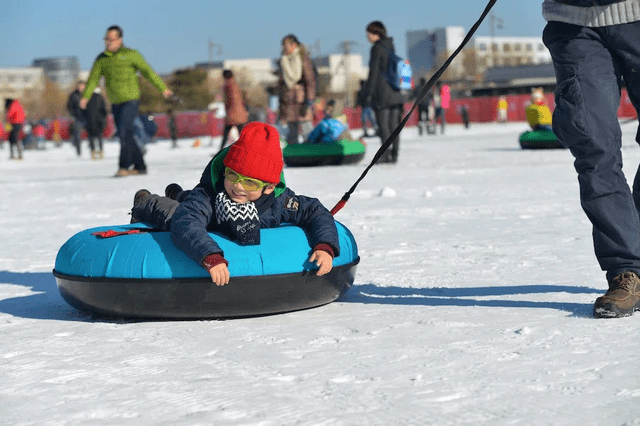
(249, 184)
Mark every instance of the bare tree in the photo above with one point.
(47, 101)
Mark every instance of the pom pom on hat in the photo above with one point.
(257, 153)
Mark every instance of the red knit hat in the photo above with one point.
(257, 153)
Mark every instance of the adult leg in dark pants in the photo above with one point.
(388, 119)
(14, 140)
(590, 64)
(130, 155)
(225, 133)
(423, 117)
(78, 126)
(441, 116)
(294, 131)
(93, 135)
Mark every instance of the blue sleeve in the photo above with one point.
(309, 214)
(314, 135)
(189, 226)
(336, 129)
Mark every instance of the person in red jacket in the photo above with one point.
(236, 113)
(15, 117)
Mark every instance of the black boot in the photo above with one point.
(172, 190)
(140, 194)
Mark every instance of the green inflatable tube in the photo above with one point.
(324, 154)
(539, 139)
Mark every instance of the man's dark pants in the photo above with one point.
(590, 65)
(124, 114)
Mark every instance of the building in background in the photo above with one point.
(261, 69)
(16, 83)
(342, 73)
(337, 73)
(515, 80)
(64, 71)
(428, 49)
(510, 51)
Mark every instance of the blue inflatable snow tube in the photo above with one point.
(145, 275)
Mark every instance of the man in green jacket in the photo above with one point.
(120, 65)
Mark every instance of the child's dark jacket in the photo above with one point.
(194, 218)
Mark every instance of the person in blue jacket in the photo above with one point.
(241, 190)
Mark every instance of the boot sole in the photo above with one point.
(612, 311)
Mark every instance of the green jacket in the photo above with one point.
(120, 73)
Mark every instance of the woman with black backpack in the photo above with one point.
(387, 102)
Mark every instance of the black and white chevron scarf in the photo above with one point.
(240, 221)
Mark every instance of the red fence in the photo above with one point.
(196, 123)
(485, 109)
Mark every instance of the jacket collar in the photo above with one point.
(110, 53)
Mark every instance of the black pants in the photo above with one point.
(388, 119)
(76, 136)
(14, 139)
(441, 116)
(93, 135)
(294, 131)
(156, 210)
(225, 133)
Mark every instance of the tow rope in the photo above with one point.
(421, 95)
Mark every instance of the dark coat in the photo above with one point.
(194, 217)
(73, 105)
(96, 114)
(361, 98)
(377, 88)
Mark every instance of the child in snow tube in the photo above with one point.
(329, 130)
(538, 113)
(241, 190)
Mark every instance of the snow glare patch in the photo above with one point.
(388, 192)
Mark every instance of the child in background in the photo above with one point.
(39, 133)
(330, 108)
(330, 129)
(241, 190)
(503, 109)
(538, 113)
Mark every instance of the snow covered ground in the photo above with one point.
(471, 305)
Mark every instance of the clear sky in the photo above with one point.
(174, 34)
